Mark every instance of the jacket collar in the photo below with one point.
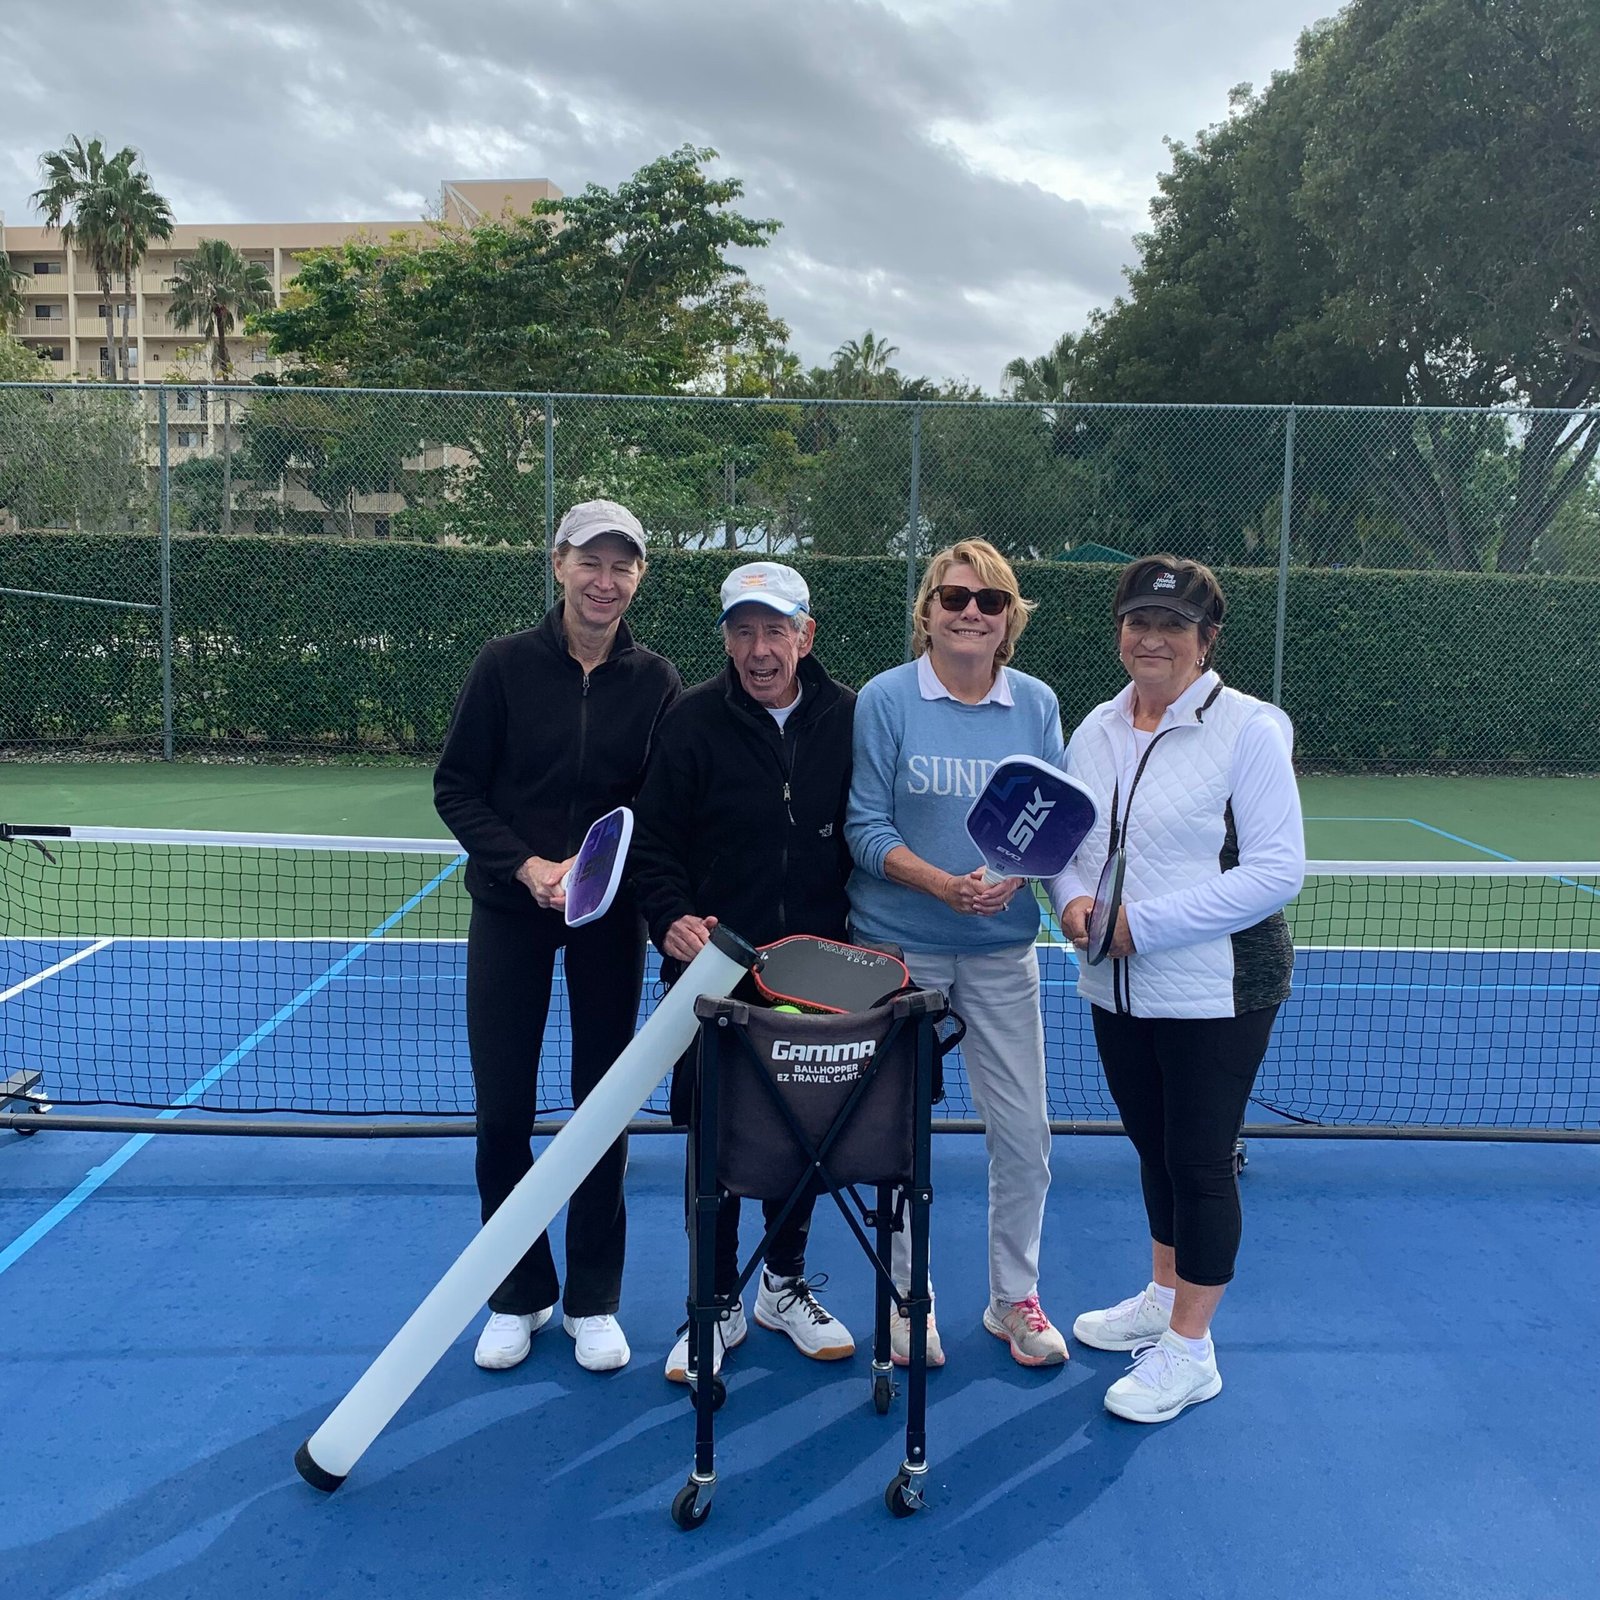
(1183, 711)
(818, 691)
(553, 631)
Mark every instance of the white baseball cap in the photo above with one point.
(590, 518)
(765, 583)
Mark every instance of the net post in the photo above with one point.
(166, 573)
(549, 500)
(914, 519)
(1283, 557)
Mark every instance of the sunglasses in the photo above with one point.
(957, 597)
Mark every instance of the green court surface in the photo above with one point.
(1347, 818)
(96, 890)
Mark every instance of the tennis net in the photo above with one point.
(264, 974)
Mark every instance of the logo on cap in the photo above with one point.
(753, 580)
(1167, 580)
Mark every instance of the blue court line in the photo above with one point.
(1455, 838)
(97, 1177)
(1353, 987)
(1427, 827)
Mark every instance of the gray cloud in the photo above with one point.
(963, 176)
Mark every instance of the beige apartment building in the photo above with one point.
(64, 312)
(63, 319)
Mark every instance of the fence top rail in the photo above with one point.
(1510, 411)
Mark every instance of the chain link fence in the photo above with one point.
(279, 569)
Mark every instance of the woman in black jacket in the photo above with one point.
(550, 732)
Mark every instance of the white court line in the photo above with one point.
(50, 972)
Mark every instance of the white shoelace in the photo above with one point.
(1156, 1365)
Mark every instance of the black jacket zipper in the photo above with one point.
(577, 776)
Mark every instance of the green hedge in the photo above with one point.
(325, 644)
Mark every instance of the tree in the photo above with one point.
(214, 289)
(128, 212)
(12, 282)
(72, 457)
(863, 369)
(107, 208)
(19, 364)
(1048, 378)
(1450, 170)
(1405, 217)
(628, 291)
(211, 290)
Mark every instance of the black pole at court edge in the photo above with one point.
(166, 575)
(549, 498)
(914, 519)
(1283, 557)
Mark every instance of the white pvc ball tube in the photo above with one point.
(325, 1459)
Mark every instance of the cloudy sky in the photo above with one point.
(962, 176)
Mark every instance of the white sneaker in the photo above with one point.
(1163, 1380)
(1124, 1326)
(507, 1339)
(598, 1342)
(731, 1331)
(790, 1305)
(900, 1339)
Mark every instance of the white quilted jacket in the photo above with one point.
(1215, 850)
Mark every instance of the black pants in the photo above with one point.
(1181, 1085)
(786, 1254)
(510, 967)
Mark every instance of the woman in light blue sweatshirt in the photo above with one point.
(927, 736)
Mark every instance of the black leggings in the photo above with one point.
(510, 968)
(1181, 1085)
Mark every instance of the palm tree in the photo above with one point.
(862, 368)
(72, 174)
(1048, 379)
(212, 289)
(105, 207)
(133, 216)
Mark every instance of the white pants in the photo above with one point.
(996, 993)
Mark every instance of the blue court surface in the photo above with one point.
(1496, 1037)
(1410, 1407)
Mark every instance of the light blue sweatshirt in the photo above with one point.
(920, 760)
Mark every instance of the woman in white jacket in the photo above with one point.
(1196, 788)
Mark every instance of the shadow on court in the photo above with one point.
(1395, 1422)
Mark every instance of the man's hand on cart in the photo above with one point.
(687, 937)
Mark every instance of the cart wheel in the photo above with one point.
(687, 1511)
(882, 1393)
(719, 1391)
(901, 1499)
(38, 1110)
(1241, 1157)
